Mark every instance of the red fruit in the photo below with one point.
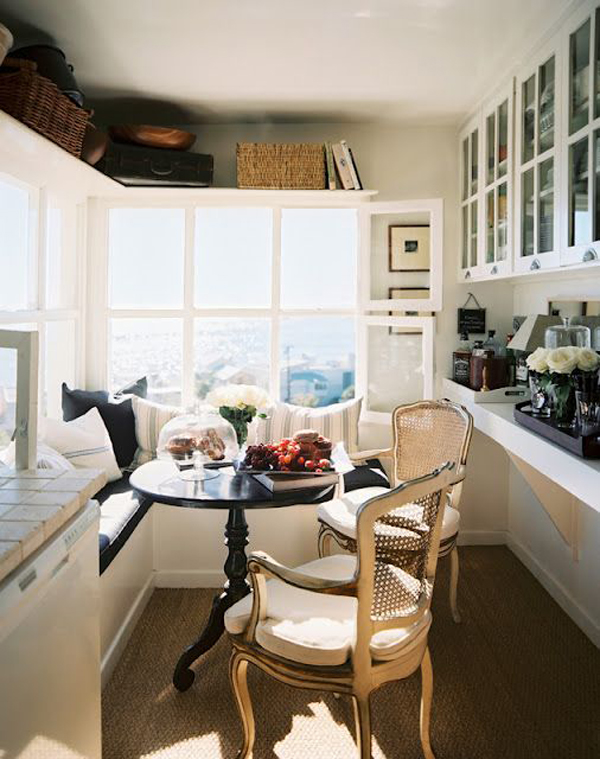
(287, 459)
(301, 459)
(325, 463)
(310, 464)
(319, 471)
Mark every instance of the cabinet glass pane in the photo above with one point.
(490, 129)
(395, 367)
(474, 233)
(528, 123)
(465, 237)
(502, 223)
(527, 214)
(579, 77)
(503, 139)
(579, 211)
(489, 227)
(546, 206)
(546, 114)
(474, 160)
(597, 66)
(465, 168)
(597, 184)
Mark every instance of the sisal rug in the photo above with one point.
(516, 680)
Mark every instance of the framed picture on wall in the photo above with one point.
(411, 293)
(409, 247)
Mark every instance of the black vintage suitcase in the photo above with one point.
(136, 166)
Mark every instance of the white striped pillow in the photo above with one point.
(338, 422)
(150, 418)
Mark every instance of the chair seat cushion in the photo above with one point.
(340, 513)
(318, 629)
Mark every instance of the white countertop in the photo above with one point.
(578, 476)
(36, 503)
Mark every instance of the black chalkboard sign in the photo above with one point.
(471, 320)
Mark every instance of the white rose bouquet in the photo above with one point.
(239, 404)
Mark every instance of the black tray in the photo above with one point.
(585, 446)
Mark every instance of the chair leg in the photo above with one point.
(238, 671)
(454, 569)
(362, 720)
(324, 544)
(426, 696)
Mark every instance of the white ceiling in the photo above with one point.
(188, 61)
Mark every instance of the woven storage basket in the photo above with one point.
(261, 166)
(38, 103)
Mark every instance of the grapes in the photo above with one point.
(283, 457)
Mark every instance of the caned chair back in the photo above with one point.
(398, 536)
(427, 434)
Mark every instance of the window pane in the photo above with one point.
(317, 358)
(14, 248)
(490, 129)
(474, 160)
(231, 351)
(546, 206)
(61, 257)
(579, 81)
(151, 347)
(528, 124)
(503, 139)
(318, 258)
(146, 257)
(474, 233)
(579, 212)
(395, 367)
(60, 364)
(527, 213)
(546, 117)
(490, 225)
(233, 253)
(502, 223)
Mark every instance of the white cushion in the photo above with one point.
(340, 513)
(338, 422)
(47, 458)
(84, 442)
(315, 628)
(150, 418)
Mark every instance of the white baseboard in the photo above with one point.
(556, 590)
(119, 642)
(482, 537)
(189, 578)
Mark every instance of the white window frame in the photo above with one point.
(38, 316)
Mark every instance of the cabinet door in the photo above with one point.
(472, 151)
(537, 162)
(497, 191)
(402, 256)
(581, 127)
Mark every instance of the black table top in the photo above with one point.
(160, 481)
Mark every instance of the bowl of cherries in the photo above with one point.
(306, 453)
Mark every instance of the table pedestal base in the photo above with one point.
(236, 587)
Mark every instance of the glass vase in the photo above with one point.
(588, 412)
(541, 404)
(562, 395)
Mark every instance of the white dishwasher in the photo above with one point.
(50, 648)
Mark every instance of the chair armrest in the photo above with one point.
(375, 453)
(260, 562)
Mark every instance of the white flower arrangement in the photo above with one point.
(239, 404)
(563, 360)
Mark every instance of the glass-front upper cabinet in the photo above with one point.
(581, 127)
(471, 180)
(537, 162)
(494, 255)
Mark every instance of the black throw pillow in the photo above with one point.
(116, 412)
(371, 474)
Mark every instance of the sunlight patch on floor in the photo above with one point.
(193, 748)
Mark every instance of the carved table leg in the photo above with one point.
(236, 587)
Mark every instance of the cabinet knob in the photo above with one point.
(494, 270)
(468, 275)
(590, 255)
(535, 264)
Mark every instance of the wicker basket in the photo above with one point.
(38, 103)
(261, 166)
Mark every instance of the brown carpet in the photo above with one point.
(516, 680)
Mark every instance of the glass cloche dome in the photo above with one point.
(566, 334)
(193, 440)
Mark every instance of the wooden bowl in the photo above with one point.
(152, 136)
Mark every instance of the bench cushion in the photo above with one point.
(121, 510)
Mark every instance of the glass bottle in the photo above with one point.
(493, 344)
(565, 335)
(461, 361)
(511, 363)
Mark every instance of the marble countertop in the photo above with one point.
(36, 503)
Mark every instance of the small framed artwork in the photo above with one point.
(410, 293)
(409, 247)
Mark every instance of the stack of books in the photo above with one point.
(342, 172)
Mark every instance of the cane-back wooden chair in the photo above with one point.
(348, 623)
(426, 434)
